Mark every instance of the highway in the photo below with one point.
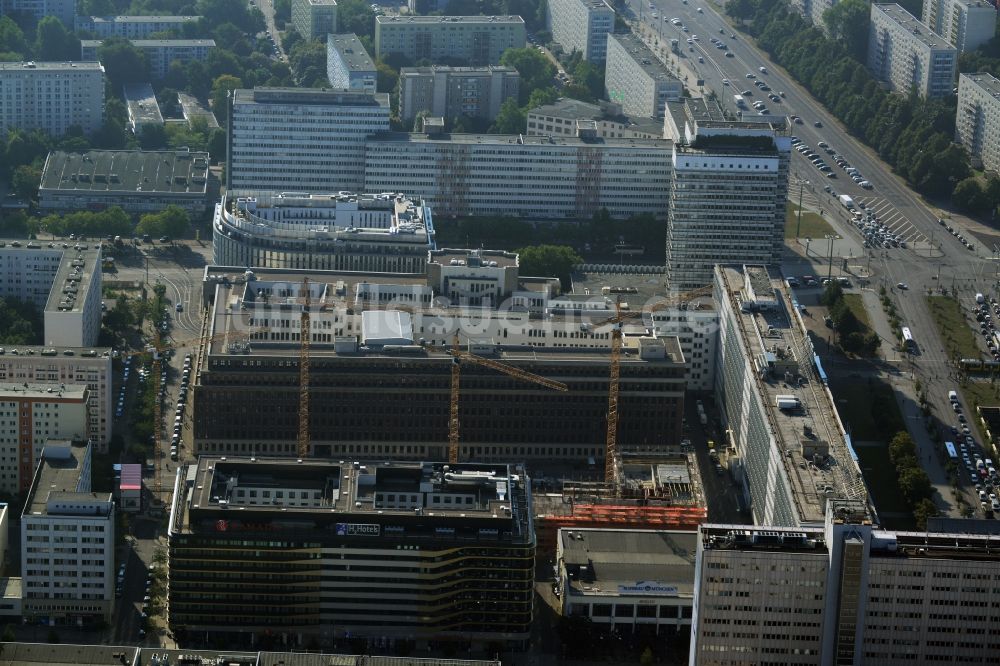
(934, 260)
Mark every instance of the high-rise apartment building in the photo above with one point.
(582, 26)
(792, 453)
(977, 123)
(414, 551)
(844, 592)
(64, 10)
(453, 92)
(132, 27)
(543, 177)
(51, 96)
(314, 18)
(54, 367)
(348, 64)
(635, 78)
(966, 24)
(381, 233)
(30, 416)
(728, 193)
(302, 140)
(908, 55)
(159, 52)
(67, 541)
(65, 284)
(473, 40)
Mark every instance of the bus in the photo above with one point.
(952, 453)
(740, 102)
(908, 340)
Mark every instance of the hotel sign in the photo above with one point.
(649, 587)
(358, 529)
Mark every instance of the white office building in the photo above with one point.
(582, 25)
(452, 92)
(635, 78)
(302, 140)
(64, 283)
(51, 96)
(476, 40)
(348, 64)
(30, 416)
(314, 18)
(905, 54)
(381, 233)
(977, 123)
(844, 592)
(51, 366)
(967, 24)
(64, 10)
(728, 193)
(132, 27)
(67, 541)
(534, 177)
(159, 52)
(696, 326)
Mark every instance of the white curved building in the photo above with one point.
(343, 231)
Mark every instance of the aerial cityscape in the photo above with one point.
(508, 332)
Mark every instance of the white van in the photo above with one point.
(953, 396)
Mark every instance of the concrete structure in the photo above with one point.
(632, 582)
(314, 18)
(67, 541)
(905, 54)
(348, 64)
(568, 117)
(636, 79)
(132, 27)
(159, 52)
(543, 177)
(727, 195)
(473, 40)
(452, 92)
(977, 123)
(582, 26)
(967, 24)
(467, 521)
(850, 593)
(143, 109)
(63, 282)
(300, 140)
(130, 488)
(51, 96)
(347, 232)
(31, 416)
(789, 461)
(51, 366)
(375, 334)
(64, 10)
(194, 110)
(138, 181)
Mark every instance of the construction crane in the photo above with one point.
(458, 358)
(304, 335)
(621, 316)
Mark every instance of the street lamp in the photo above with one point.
(802, 183)
(829, 274)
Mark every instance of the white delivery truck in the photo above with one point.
(786, 402)
(847, 201)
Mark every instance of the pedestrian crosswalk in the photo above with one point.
(894, 221)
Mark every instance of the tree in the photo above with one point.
(924, 509)
(832, 295)
(969, 196)
(511, 119)
(549, 261)
(847, 22)
(153, 137)
(123, 62)
(535, 69)
(646, 658)
(11, 38)
(915, 485)
(387, 77)
(356, 16)
(173, 221)
(542, 96)
(222, 87)
(55, 42)
(25, 181)
(20, 323)
(901, 447)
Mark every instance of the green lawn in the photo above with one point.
(813, 226)
(868, 409)
(857, 306)
(953, 328)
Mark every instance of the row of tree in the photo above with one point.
(911, 134)
(914, 484)
(854, 336)
(20, 323)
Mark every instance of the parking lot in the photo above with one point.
(892, 220)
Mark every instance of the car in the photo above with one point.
(701, 59)
(751, 76)
(701, 11)
(902, 285)
(732, 35)
(781, 93)
(817, 124)
(722, 31)
(725, 82)
(729, 54)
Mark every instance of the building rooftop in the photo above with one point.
(41, 350)
(127, 172)
(143, 109)
(323, 2)
(431, 69)
(51, 66)
(193, 109)
(515, 139)
(574, 109)
(352, 52)
(609, 560)
(492, 258)
(643, 56)
(913, 25)
(44, 654)
(471, 20)
(135, 18)
(43, 391)
(10, 588)
(985, 81)
(62, 481)
(356, 498)
(311, 96)
(153, 43)
(815, 452)
(79, 264)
